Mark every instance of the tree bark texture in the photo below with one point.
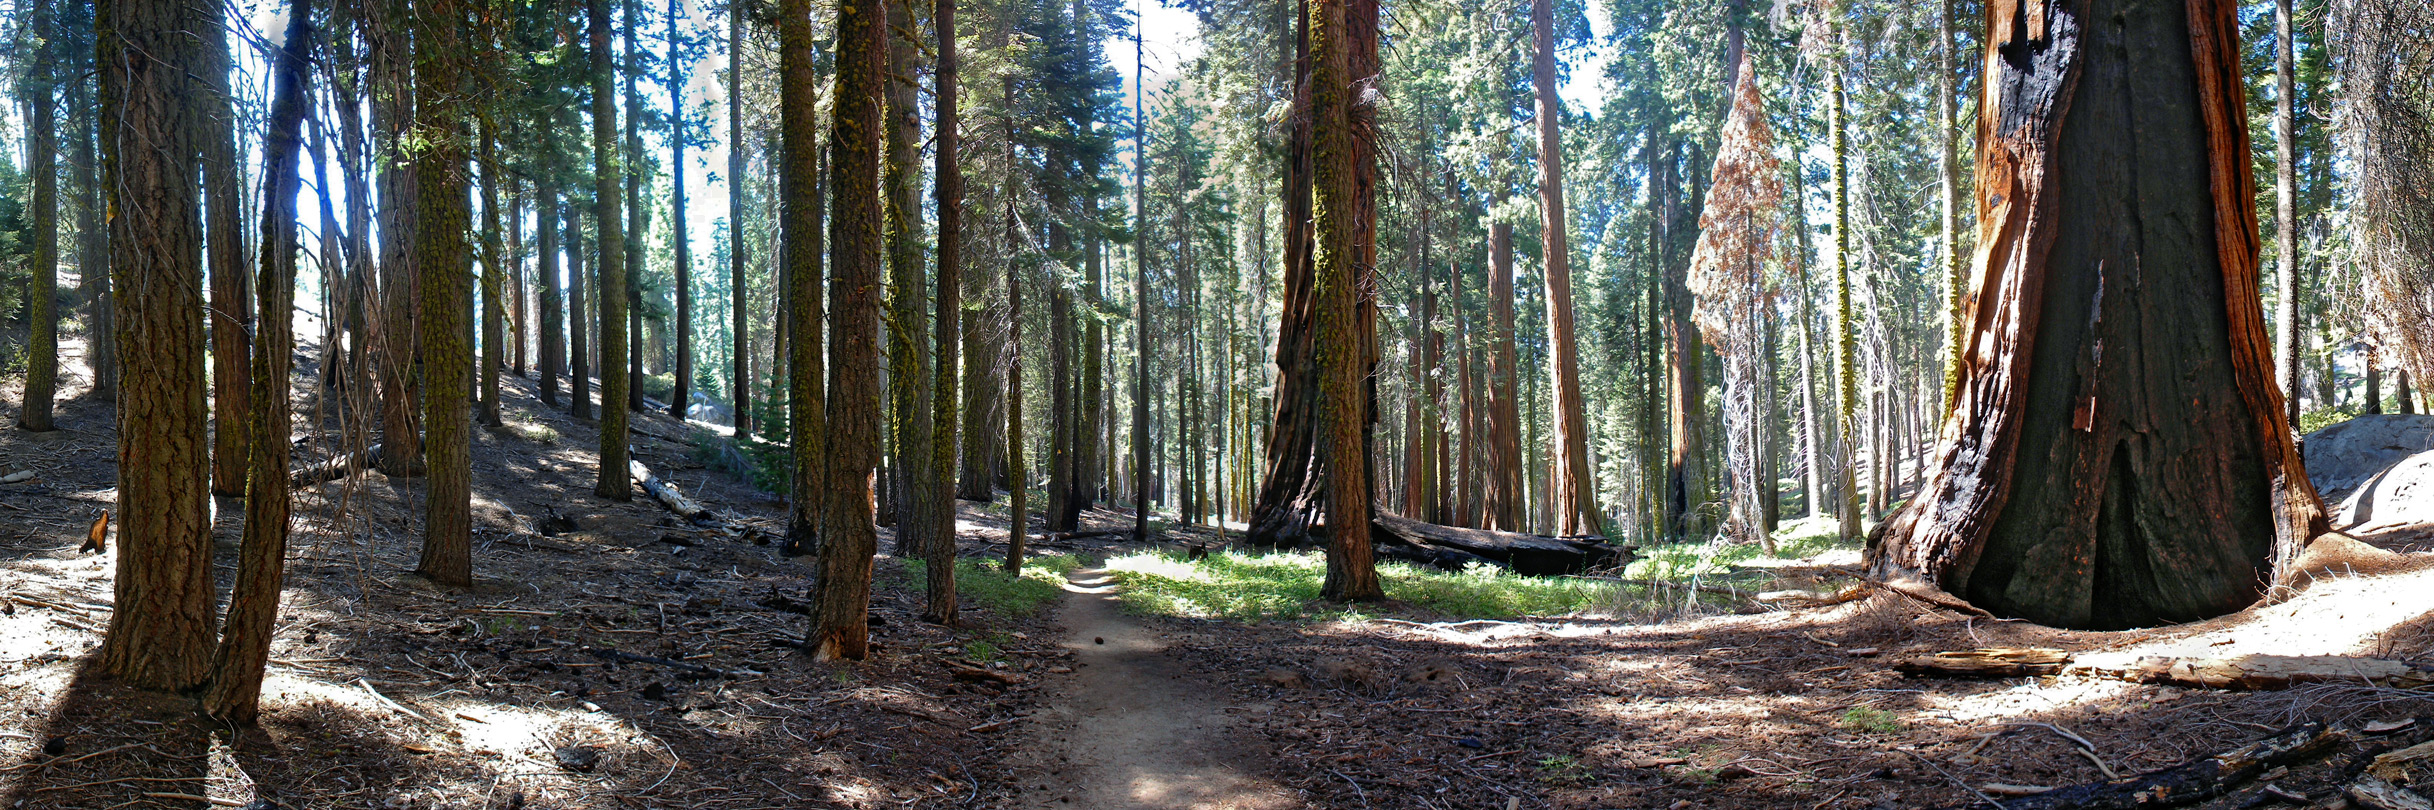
(553, 314)
(680, 238)
(940, 489)
(608, 176)
(444, 261)
(42, 169)
(392, 68)
(232, 310)
(160, 634)
(800, 184)
(2117, 455)
(740, 376)
(1339, 353)
(494, 282)
(839, 627)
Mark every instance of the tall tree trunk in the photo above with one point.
(1948, 173)
(553, 316)
(92, 242)
(1338, 351)
(393, 96)
(518, 309)
(232, 308)
(800, 185)
(1140, 307)
(2155, 480)
(2374, 381)
(908, 321)
(42, 168)
(1846, 333)
(253, 605)
(740, 377)
(638, 224)
(160, 633)
(1685, 479)
(578, 331)
(1064, 510)
(2285, 214)
(1018, 519)
(443, 260)
(1507, 498)
(1572, 483)
(940, 555)
(616, 482)
(839, 624)
(494, 280)
(680, 237)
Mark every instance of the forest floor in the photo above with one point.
(633, 660)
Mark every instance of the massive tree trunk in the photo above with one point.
(232, 308)
(1572, 484)
(839, 624)
(443, 260)
(1686, 383)
(160, 631)
(2117, 455)
(800, 185)
(607, 174)
(1339, 352)
(253, 605)
(42, 168)
(940, 488)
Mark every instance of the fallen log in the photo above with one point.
(1523, 553)
(2211, 777)
(1990, 662)
(2253, 672)
(335, 467)
(667, 495)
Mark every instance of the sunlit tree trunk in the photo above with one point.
(1338, 350)
(397, 336)
(1571, 483)
(908, 320)
(160, 634)
(2118, 455)
(2285, 212)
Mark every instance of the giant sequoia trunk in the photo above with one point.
(1293, 487)
(2117, 454)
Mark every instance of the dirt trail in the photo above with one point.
(1132, 728)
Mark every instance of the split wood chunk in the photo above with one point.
(2380, 794)
(2253, 672)
(1989, 662)
(2197, 780)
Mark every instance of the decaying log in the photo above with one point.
(2197, 780)
(2253, 672)
(668, 496)
(335, 467)
(1991, 662)
(1450, 547)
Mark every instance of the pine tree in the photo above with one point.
(607, 176)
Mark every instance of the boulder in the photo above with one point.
(2375, 471)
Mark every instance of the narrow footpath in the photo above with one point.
(1132, 729)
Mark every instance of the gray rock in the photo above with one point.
(2346, 456)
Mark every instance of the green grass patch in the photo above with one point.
(1873, 720)
(1235, 585)
(1716, 562)
(985, 584)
